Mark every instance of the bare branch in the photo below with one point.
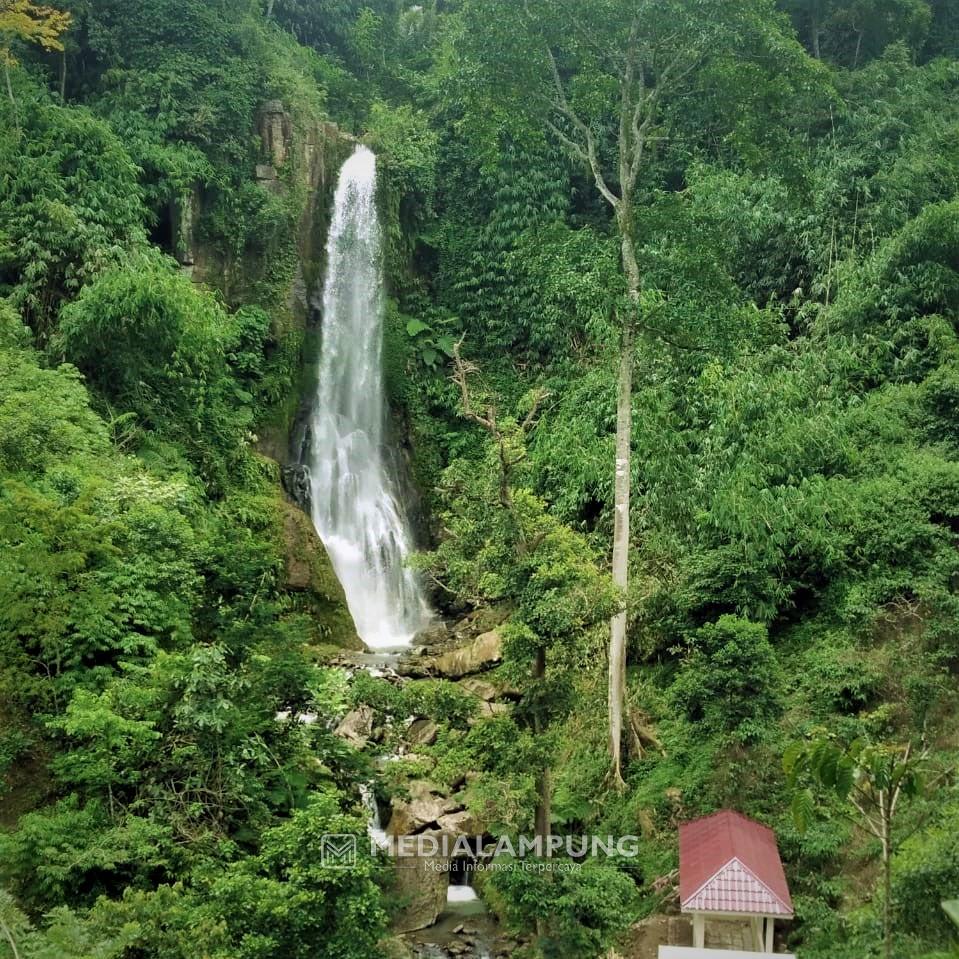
(462, 370)
(539, 397)
(874, 828)
(574, 148)
(562, 105)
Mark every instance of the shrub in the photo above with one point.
(165, 360)
(730, 682)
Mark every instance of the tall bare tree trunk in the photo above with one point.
(617, 643)
(886, 814)
(637, 112)
(815, 29)
(621, 519)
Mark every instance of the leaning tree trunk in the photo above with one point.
(8, 935)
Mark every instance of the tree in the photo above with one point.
(809, 16)
(32, 23)
(853, 31)
(166, 361)
(872, 778)
(599, 87)
(64, 938)
(503, 546)
(71, 206)
(286, 899)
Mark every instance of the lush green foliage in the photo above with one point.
(795, 487)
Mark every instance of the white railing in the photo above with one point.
(688, 952)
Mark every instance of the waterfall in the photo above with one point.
(374, 827)
(354, 502)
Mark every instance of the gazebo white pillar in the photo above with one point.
(761, 928)
(699, 930)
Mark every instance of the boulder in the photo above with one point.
(356, 727)
(414, 663)
(488, 711)
(480, 689)
(422, 732)
(425, 807)
(480, 654)
(395, 948)
(460, 823)
(481, 620)
(421, 885)
(436, 634)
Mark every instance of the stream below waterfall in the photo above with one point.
(355, 503)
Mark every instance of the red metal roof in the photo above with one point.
(729, 863)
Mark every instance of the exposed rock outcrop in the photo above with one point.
(296, 482)
(456, 661)
(275, 127)
(424, 808)
(309, 573)
(421, 884)
(460, 823)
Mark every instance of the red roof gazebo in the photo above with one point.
(729, 868)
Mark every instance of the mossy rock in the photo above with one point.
(309, 577)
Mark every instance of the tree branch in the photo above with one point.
(562, 105)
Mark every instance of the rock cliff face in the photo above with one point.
(309, 576)
(299, 160)
(298, 164)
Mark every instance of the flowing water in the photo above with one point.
(355, 506)
(374, 826)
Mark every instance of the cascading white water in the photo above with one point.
(354, 503)
(374, 826)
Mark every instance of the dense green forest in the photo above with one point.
(672, 358)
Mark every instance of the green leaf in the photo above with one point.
(845, 776)
(793, 760)
(803, 808)
(414, 327)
